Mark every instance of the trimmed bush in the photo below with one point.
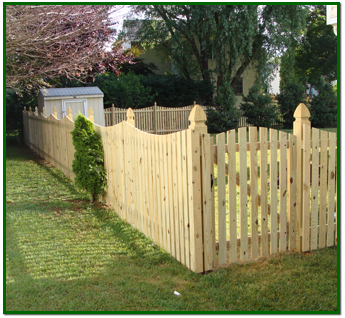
(258, 108)
(323, 108)
(88, 164)
(225, 115)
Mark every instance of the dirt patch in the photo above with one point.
(307, 253)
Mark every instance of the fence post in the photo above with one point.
(155, 118)
(91, 117)
(55, 112)
(69, 113)
(301, 115)
(130, 117)
(197, 118)
(112, 115)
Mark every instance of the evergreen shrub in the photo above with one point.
(323, 108)
(88, 163)
(290, 97)
(224, 116)
(258, 108)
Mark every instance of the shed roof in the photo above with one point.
(71, 91)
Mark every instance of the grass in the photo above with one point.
(65, 254)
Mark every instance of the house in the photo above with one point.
(247, 80)
(332, 16)
(80, 99)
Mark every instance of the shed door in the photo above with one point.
(76, 108)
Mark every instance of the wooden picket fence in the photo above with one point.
(162, 120)
(209, 204)
(50, 138)
(154, 119)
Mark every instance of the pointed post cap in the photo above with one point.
(55, 112)
(44, 111)
(197, 118)
(91, 117)
(69, 113)
(301, 111)
(130, 116)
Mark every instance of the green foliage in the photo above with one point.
(88, 164)
(323, 108)
(15, 102)
(124, 91)
(234, 36)
(317, 54)
(290, 97)
(225, 116)
(174, 91)
(258, 108)
(139, 67)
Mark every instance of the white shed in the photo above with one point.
(80, 99)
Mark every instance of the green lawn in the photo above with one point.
(65, 254)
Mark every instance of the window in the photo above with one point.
(239, 86)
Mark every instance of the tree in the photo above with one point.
(316, 56)
(46, 41)
(235, 36)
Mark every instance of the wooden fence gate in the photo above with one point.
(267, 192)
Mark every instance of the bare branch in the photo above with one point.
(50, 40)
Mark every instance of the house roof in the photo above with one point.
(71, 91)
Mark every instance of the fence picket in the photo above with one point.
(273, 191)
(221, 197)
(171, 196)
(207, 204)
(242, 140)
(315, 187)
(263, 191)
(282, 191)
(180, 196)
(166, 195)
(253, 192)
(323, 189)
(163, 191)
(306, 189)
(292, 189)
(331, 189)
(185, 193)
(190, 252)
(232, 194)
(175, 201)
(136, 178)
(146, 178)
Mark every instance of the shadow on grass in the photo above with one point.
(23, 153)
